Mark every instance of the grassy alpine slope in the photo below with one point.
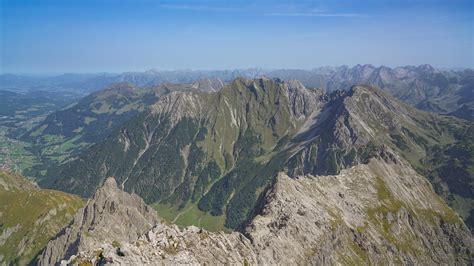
(30, 217)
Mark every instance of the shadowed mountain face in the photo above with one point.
(218, 151)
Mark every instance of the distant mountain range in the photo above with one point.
(441, 91)
(68, 131)
(87, 83)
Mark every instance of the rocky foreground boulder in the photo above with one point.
(381, 212)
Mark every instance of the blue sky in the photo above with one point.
(52, 36)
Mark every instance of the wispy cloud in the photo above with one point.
(316, 14)
(204, 8)
(289, 11)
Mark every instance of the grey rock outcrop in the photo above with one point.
(208, 85)
(169, 245)
(303, 102)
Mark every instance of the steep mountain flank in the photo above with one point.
(364, 118)
(218, 151)
(382, 212)
(191, 141)
(67, 132)
(30, 217)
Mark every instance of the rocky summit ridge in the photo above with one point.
(115, 226)
(378, 213)
(382, 212)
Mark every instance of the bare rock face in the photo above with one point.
(168, 245)
(179, 105)
(208, 85)
(380, 213)
(110, 215)
(303, 102)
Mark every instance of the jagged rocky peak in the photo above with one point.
(369, 97)
(294, 84)
(352, 125)
(110, 215)
(366, 112)
(427, 68)
(302, 101)
(117, 227)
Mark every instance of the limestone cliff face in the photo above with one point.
(378, 213)
(110, 215)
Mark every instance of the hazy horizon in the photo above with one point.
(50, 74)
(58, 36)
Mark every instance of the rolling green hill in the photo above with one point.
(66, 132)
